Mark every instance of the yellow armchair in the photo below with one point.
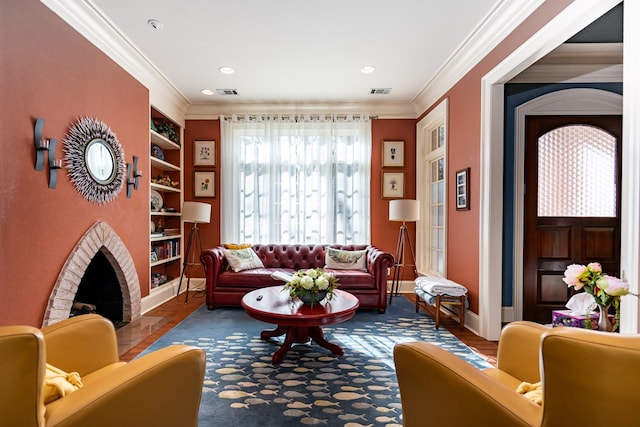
(162, 388)
(588, 378)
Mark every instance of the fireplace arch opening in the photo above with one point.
(99, 291)
(100, 238)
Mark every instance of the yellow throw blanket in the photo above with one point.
(59, 383)
(533, 392)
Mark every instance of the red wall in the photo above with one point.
(384, 234)
(50, 71)
(203, 130)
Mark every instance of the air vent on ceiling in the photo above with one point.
(380, 91)
(227, 91)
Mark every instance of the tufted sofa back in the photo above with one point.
(297, 256)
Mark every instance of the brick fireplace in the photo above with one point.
(99, 238)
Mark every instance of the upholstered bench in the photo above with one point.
(436, 291)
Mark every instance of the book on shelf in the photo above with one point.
(160, 234)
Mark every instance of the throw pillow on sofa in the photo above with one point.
(242, 259)
(338, 259)
(236, 245)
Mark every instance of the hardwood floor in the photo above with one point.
(135, 337)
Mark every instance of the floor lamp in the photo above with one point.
(196, 213)
(406, 211)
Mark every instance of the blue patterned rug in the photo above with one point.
(311, 386)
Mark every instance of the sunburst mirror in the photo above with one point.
(94, 159)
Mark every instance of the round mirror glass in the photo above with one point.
(100, 160)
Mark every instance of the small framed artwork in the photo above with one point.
(462, 190)
(393, 154)
(392, 185)
(204, 153)
(204, 184)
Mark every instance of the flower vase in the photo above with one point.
(312, 298)
(604, 324)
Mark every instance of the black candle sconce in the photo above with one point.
(46, 145)
(132, 176)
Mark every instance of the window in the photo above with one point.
(296, 180)
(431, 191)
(577, 172)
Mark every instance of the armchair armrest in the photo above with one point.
(213, 261)
(378, 261)
(519, 350)
(578, 363)
(160, 389)
(439, 388)
(22, 371)
(81, 344)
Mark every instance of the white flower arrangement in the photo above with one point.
(314, 282)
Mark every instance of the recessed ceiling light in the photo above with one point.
(155, 24)
(208, 92)
(367, 69)
(226, 70)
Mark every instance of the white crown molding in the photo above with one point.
(382, 111)
(497, 25)
(86, 18)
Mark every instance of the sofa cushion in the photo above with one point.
(353, 279)
(242, 259)
(338, 259)
(250, 279)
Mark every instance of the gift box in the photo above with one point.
(567, 318)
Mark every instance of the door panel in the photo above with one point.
(590, 231)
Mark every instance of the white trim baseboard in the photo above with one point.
(168, 291)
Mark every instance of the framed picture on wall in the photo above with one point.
(204, 184)
(392, 185)
(393, 154)
(462, 190)
(204, 153)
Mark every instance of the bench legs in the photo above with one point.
(459, 301)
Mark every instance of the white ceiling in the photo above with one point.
(288, 51)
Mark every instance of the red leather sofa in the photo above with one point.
(224, 287)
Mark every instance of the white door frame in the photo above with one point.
(572, 19)
(567, 102)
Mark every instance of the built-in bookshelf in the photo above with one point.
(166, 239)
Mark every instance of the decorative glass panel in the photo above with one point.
(577, 172)
(436, 229)
(434, 139)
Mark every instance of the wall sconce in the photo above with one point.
(48, 145)
(132, 176)
(54, 164)
(42, 145)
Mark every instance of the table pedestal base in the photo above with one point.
(298, 334)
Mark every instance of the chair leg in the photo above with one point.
(437, 311)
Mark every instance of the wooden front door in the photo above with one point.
(572, 204)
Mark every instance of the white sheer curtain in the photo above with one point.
(296, 179)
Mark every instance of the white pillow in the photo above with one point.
(242, 259)
(345, 260)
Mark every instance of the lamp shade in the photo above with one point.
(404, 210)
(196, 212)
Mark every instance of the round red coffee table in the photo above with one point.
(300, 322)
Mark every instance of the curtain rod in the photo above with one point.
(296, 117)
